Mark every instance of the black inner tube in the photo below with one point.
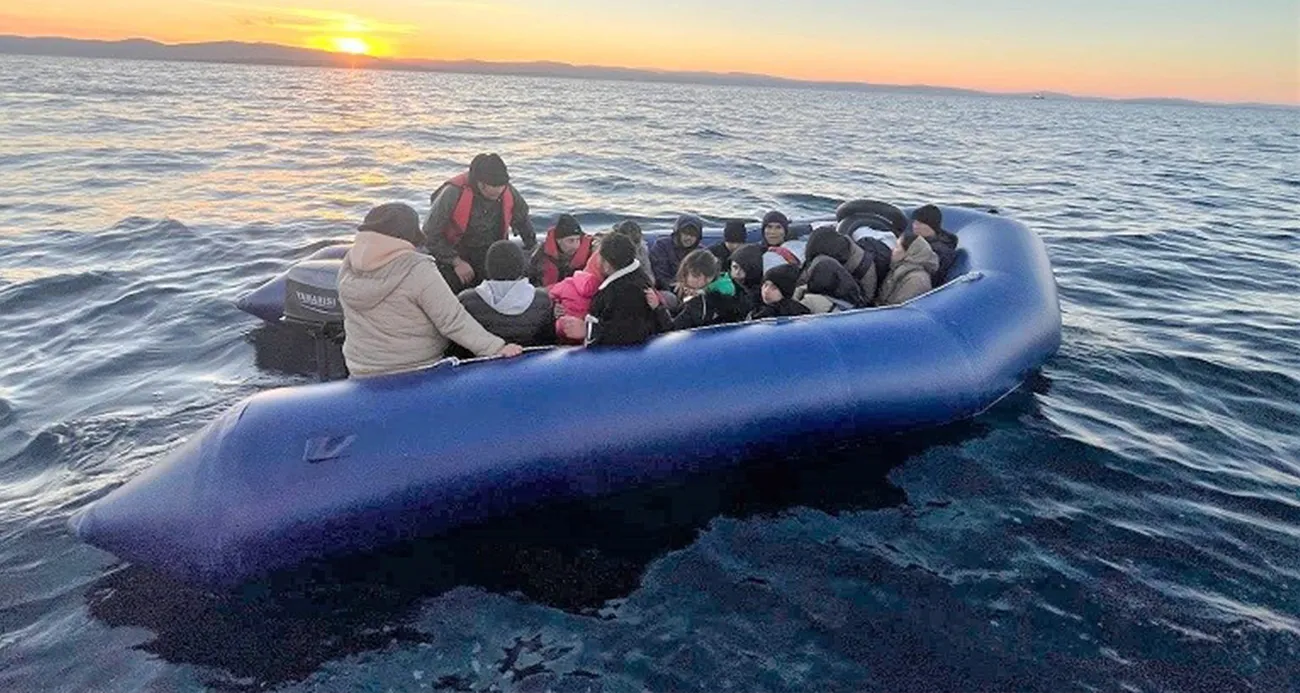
(898, 221)
(850, 224)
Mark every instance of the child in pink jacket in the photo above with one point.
(572, 297)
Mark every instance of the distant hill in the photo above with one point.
(273, 54)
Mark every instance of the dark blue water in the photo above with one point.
(1130, 520)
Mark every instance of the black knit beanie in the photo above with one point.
(930, 216)
(735, 232)
(775, 217)
(784, 276)
(395, 219)
(567, 226)
(505, 261)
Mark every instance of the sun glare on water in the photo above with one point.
(353, 46)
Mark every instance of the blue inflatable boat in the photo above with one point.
(311, 471)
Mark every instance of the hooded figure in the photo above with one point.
(398, 313)
(826, 241)
(909, 274)
(749, 260)
(927, 222)
(506, 304)
(550, 263)
(667, 253)
(828, 286)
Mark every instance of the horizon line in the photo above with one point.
(315, 57)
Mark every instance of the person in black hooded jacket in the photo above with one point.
(667, 253)
(828, 286)
(747, 273)
(778, 294)
(621, 313)
(927, 222)
(826, 241)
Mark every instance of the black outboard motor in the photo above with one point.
(311, 300)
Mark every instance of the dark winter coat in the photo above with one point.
(619, 313)
(515, 311)
(667, 253)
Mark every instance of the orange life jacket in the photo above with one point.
(455, 229)
(551, 258)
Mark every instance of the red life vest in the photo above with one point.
(786, 253)
(551, 258)
(460, 216)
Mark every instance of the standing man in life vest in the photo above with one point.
(471, 212)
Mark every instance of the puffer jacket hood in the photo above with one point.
(379, 264)
(921, 255)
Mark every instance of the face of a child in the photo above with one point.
(737, 273)
(774, 234)
(771, 294)
(922, 229)
(569, 244)
(695, 283)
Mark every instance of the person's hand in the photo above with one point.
(510, 351)
(572, 328)
(653, 299)
(464, 271)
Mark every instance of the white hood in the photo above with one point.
(509, 297)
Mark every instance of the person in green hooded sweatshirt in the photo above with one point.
(708, 295)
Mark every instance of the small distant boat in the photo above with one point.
(1039, 96)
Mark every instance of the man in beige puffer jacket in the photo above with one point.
(398, 312)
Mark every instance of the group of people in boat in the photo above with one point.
(411, 293)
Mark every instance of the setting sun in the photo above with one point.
(355, 46)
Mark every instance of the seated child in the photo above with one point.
(708, 296)
(778, 294)
(620, 313)
(506, 304)
(747, 272)
(572, 299)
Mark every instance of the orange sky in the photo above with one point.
(1193, 49)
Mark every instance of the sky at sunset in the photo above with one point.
(1200, 49)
